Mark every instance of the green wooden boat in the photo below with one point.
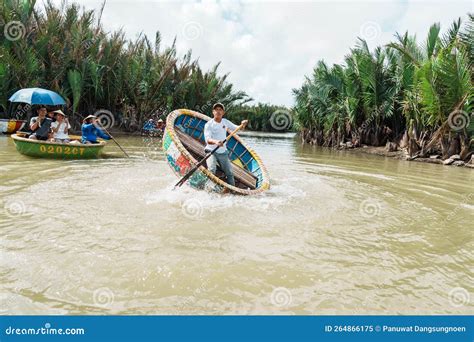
(45, 149)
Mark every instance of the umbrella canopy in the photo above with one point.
(37, 96)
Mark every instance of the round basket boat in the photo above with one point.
(10, 126)
(183, 144)
(46, 149)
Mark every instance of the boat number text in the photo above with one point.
(60, 149)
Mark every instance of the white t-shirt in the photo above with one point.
(217, 131)
(60, 133)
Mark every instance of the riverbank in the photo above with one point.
(402, 154)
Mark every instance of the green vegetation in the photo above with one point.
(264, 117)
(417, 95)
(67, 50)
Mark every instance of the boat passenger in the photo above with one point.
(90, 131)
(160, 125)
(61, 127)
(52, 116)
(149, 125)
(40, 125)
(214, 133)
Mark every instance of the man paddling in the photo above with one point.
(90, 131)
(214, 133)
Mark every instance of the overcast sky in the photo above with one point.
(269, 46)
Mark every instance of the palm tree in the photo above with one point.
(66, 49)
(442, 85)
(404, 91)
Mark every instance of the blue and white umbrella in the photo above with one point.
(37, 96)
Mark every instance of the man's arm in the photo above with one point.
(207, 136)
(34, 123)
(55, 127)
(230, 125)
(102, 134)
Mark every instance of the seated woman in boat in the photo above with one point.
(60, 127)
(40, 125)
(90, 131)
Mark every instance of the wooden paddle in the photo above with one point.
(111, 137)
(203, 160)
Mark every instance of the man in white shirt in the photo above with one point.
(214, 133)
(40, 125)
(61, 127)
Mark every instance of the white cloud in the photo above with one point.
(269, 46)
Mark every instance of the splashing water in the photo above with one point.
(337, 233)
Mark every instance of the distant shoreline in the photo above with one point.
(402, 155)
